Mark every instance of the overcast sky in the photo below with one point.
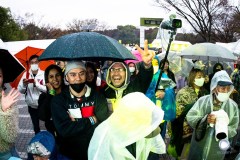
(61, 12)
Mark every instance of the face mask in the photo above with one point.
(199, 81)
(218, 70)
(77, 87)
(131, 69)
(222, 97)
(34, 67)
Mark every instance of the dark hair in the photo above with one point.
(49, 68)
(215, 67)
(161, 63)
(135, 72)
(238, 66)
(131, 63)
(32, 57)
(1, 68)
(93, 67)
(192, 75)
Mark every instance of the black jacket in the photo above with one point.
(44, 112)
(76, 135)
(44, 106)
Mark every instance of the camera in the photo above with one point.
(171, 24)
(30, 80)
(176, 23)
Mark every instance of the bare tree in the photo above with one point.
(226, 25)
(28, 18)
(75, 25)
(102, 26)
(205, 16)
(88, 24)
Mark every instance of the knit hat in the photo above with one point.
(72, 65)
(42, 144)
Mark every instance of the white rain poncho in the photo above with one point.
(199, 112)
(134, 118)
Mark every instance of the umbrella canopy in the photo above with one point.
(138, 56)
(236, 48)
(207, 66)
(24, 55)
(179, 66)
(12, 68)
(86, 46)
(209, 52)
(10, 65)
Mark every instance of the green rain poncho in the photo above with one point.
(199, 112)
(134, 118)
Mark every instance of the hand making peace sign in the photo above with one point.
(147, 55)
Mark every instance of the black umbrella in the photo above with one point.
(86, 46)
(11, 67)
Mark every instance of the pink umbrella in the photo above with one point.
(137, 54)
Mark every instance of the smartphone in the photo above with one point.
(30, 80)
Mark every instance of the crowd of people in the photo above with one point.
(120, 111)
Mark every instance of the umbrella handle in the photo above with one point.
(27, 75)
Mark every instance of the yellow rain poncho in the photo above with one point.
(134, 118)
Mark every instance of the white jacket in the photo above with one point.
(32, 92)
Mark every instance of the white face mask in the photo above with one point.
(222, 97)
(34, 67)
(199, 81)
(131, 69)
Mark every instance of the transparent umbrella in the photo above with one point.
(207, 66)
(179, 66)
(208, 52)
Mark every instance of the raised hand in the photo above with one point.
(10, 99)
(147, 55)
(25, 82)
(49, 86)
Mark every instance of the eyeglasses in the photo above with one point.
(117, 70)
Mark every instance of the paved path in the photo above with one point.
(25, 129)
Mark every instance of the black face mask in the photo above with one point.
(77, 87)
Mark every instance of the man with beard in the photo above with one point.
(76, 112)
(118, 78)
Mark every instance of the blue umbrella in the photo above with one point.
(86, 46)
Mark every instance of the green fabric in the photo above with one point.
(171, 150)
